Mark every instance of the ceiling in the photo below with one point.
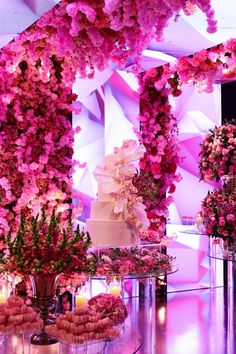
(186, 36)
(17, 15)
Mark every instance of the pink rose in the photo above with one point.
(230, 217)
(225, 151)
(221, 221)
(124, 269)
(100, 271)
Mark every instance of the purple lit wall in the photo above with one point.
(196, 113)
(110, 106)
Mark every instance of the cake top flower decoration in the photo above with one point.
(115, 183)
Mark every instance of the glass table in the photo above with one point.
(218, 253)
(133, 285)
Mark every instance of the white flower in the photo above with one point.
(106, 258)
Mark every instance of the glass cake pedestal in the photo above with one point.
(139, 295)
(221, 261)
(15, 344)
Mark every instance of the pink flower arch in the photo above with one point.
(159, 130)
(37, 71)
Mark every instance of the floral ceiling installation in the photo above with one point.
(158, 126)
(37, 71)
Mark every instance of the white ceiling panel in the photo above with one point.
(17, 15)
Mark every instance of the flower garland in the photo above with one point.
(158, 132)
(150, 236)
(219, 214)
(217, 155)
(37, 71)
(121, 261)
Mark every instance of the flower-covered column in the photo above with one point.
(36, 140)
(158, 134)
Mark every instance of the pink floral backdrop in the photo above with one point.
(37, 71)
(159, 127)
(46, 94)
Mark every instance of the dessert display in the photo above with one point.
(90, 322)
(18, 318)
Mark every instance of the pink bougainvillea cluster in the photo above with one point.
(158, 126)
(37, 71)
(201, 69)
(207, 66)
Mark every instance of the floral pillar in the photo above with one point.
(36, 139)
(158, 134)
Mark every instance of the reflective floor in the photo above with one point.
(192, 322)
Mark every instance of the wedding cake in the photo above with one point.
(118, 213)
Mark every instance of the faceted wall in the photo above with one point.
(108, 114)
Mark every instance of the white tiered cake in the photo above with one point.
(118, 214)
(109, 229)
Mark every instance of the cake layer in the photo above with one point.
(104, 211)
(111, 233)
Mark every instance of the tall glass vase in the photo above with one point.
(43, 287)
